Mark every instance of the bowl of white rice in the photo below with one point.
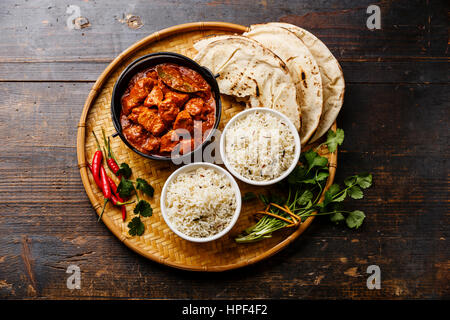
(260, 146)
(200, 202)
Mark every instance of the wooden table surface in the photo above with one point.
(395, 117)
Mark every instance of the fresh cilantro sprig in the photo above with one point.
(335, 195)
(124, 171)
(304, 187)
(334, 139)
(143, 208)
(355, 219)
(145, 187)
(136, 227)
(126, 189)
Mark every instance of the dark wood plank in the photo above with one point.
(44, 48)
(398, 132)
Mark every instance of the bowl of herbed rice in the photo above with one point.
(260, 146)
(200, 202)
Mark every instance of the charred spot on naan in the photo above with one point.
(257, 88)
(303, 75)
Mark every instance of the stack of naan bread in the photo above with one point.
(282, 67)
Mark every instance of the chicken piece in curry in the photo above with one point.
(162, 108)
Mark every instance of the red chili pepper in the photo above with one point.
(106, 189)
(96, 162)
(116, 201)
(110, 159)
(112, 165)
(97, 158)
(115, 198)
(113, 185)
(103, 181)
(124, 213)
(97, 180)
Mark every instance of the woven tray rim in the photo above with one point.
(81, 155)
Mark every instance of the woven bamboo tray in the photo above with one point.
(159, 243)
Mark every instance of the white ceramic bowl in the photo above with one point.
(285, 173)
(194, 166)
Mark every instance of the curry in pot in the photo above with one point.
(167, 108)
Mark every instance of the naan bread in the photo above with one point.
(333, 83)
(201, 44)
(250, 72)
(302, 67)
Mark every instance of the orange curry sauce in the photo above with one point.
(164, 103)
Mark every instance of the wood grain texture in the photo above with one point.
(395, 117)
(46, 49)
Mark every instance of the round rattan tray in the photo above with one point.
(159, 243)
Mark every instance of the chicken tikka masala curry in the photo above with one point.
(164, 103)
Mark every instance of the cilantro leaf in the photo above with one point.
(326, 201)
(125, 188)
(350, 181)
(355, 219)
(328, 198)
(124, 170)
(337, 217)
(308, 205)
(143, 208)
(297, 175)
(314, 160)
(305, 198)
(302, 175)
(136, 227)
(334, 189)
(334, 139)
(333, 196)
(364, 180)
(145, 187)
(355, 192)
(248, 196)
(322, 175)
(341, 197)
